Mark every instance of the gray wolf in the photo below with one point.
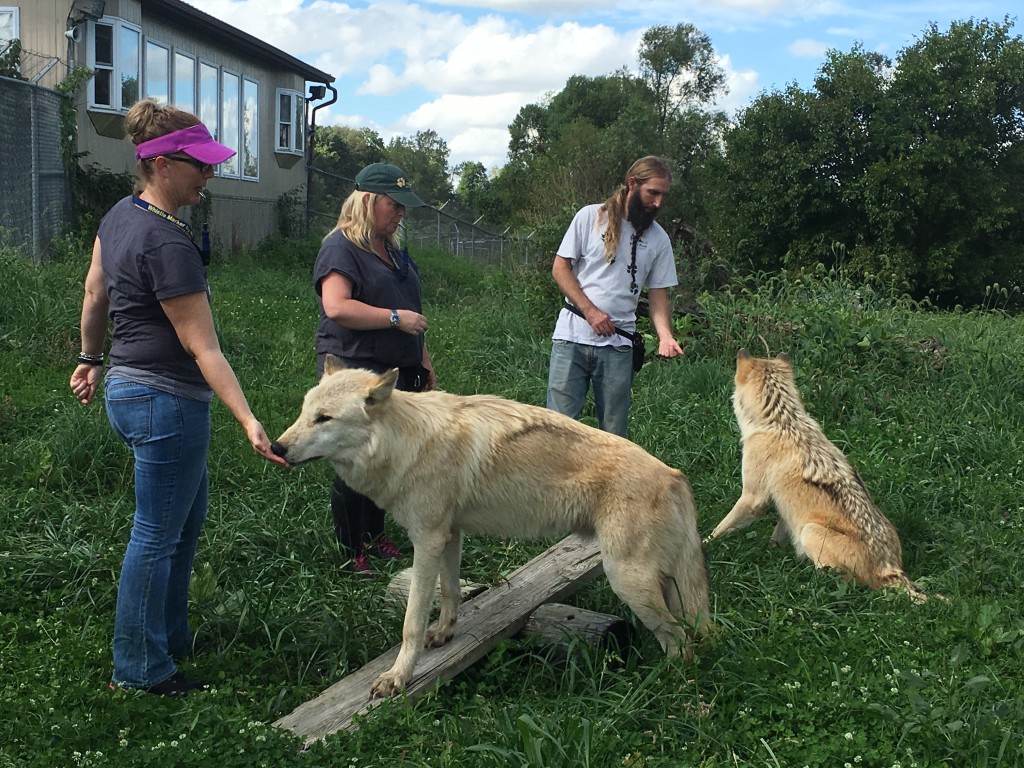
(824, 507)
(442, 464)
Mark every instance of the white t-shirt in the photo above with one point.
(608, 285)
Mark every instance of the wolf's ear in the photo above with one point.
(744, 362)
(782, 357)
(332, 364)
(384, 387)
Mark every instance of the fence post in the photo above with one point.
(36, 213)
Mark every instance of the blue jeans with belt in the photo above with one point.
(170, 437)
(574, 367)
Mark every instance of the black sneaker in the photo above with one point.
(176, 685)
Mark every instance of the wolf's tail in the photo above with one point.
(686, 589)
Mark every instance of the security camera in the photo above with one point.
(74, 34)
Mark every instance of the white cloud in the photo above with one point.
(741, 85)
(806, 47)
(464, 68)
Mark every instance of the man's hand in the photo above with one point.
(599, 320)
(669, 347)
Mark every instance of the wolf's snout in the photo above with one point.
(278, 450)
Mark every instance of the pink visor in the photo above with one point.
(194, 141)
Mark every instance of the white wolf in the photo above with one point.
(442, 464)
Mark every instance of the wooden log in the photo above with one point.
(484, 621)
(559, 625)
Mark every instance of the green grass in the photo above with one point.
(807, 669)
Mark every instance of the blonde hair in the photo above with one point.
(356, 220)
(613, 209)
(148, 120)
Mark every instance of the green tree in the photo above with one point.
(10, 60)
(473, 185)
(678, 64)
(424, 157)
(339, 152)
(344, 151)
(768, 182)
(574, 147)
(908, 170)
(953, 164)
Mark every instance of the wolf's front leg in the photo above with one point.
(426, 562)
(441, 631)
(748, 508)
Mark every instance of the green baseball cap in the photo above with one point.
(387, 179)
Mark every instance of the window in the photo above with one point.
(158, 72)
(127, 66)
(230, 106)
(8, 26)
(291, 120)
(115, 58)
(209, 98)
(250, 129)
(185, 82)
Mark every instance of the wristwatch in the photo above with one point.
(394, 318)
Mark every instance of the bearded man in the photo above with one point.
(608, 253)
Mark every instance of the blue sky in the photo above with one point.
(464, 69)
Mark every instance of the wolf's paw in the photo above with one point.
(388, 684)
(438, 635)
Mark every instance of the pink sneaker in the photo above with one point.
(361, 565)
(386, 548)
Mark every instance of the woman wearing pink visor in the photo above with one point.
(165, 365)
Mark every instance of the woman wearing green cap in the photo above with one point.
(371, 316)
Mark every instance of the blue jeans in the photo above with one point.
(574, 367)
(170, 437)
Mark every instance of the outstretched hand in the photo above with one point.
(669, 347)
(261, 443)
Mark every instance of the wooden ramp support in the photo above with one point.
(484, 621)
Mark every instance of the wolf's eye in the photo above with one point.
(321, 418)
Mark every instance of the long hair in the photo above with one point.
(614, 208)
(147, 120)
(356, 220)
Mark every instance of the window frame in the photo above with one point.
(298, 98)
(15, 13)
(175, 80)
(149, 44)
(202, 113)
(117, 27)
(250, 138)
(235, 141)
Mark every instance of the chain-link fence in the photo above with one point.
(35, 201)
(446, 227)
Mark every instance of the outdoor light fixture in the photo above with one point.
(86, 10)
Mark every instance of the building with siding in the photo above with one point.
(252, 96)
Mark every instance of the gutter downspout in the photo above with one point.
(312, 132)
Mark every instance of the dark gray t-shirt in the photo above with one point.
(146, 259)
(374, 283)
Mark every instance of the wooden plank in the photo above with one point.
(559, 625)
(484, 621)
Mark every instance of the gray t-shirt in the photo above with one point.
(374, 283)
(608, 285)
(146, 259)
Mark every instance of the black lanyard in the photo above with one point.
(138, 202)
(148, 207)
